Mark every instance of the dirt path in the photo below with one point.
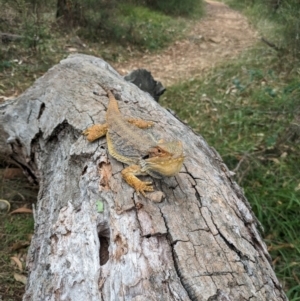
(221, 35)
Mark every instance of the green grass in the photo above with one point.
(15, 233)
(243, 109)
(137, 25)
(17, 228)
(277, 21)
(145, 28)
(45, 43)
(190, 8)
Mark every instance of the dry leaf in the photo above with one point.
(275, 160)
(4, 98)
(22, 210)
(10, 173)
(283, 155)
(20, 278)
(72, 49)
(20, 245)
(17, 261)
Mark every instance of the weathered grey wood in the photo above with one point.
(199, 243)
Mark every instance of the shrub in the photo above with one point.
(277, 20)
(128, 23)
(176, 7)
(289, 16)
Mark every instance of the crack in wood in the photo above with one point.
(174, 257)
(42, 108)
(104, 249)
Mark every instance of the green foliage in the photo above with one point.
(17, 228)
(177, 7)
(45, 44)
(29, 19)
(127, 21)
(124, 22)
(5, 65)
(89, 15)
(15, 232)
(243, 109)
(146, 28)
(289, 15)
(277, 20)
(35, 35)
(130, 24)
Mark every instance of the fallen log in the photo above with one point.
(6, 37)
(194, 238)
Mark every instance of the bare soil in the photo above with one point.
(221, 35)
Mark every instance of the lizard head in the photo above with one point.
(164, 160)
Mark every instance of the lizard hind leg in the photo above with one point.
(95, 131)
(129, 175)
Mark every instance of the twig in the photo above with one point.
(240, 162)
(272, 45)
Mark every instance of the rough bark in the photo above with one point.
(199, 243)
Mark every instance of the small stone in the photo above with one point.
(216, 40)
(4, 205)
(156, 196)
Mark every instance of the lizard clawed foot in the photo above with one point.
(129, 175)
(141, 187)
(95, 131)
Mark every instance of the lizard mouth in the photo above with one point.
(161, 166)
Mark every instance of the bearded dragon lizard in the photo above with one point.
(128, 143)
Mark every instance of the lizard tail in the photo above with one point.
(113, 104)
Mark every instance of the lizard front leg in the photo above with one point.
(95, 131)
(129, 175)
(140, 123)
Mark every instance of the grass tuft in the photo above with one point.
(143, 27)
(245, 109)
(15, 234)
